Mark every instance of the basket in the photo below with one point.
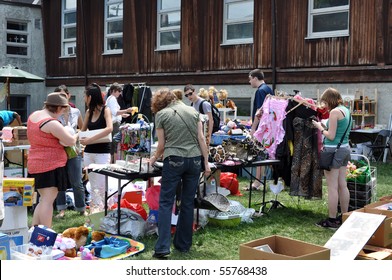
(362, 194)
(231, 218)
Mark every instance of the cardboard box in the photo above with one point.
(17, 236)
(43, 236)
(374, 253)
(15, 157)
(283, 249)
(19, 136)
(18, 191)
(14, 172)
(14, 217)
(4, 247)
(383, 235)
(380, 207)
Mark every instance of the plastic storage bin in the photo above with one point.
(20, 253)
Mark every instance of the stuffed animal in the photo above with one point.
(67, 245)
(79, 234)
(230, 104)
(97, 236)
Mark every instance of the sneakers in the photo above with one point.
(328, 223)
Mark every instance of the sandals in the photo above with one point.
(60, 215)
(254, 188)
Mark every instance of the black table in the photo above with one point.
(129, 177)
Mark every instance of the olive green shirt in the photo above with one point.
(179, 123)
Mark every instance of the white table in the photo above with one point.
(227, 110)
(21, 148)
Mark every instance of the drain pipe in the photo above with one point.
(273, 52)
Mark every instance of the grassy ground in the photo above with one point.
(297, 220)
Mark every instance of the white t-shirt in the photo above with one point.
(113, 105)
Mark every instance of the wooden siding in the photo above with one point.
(363, 56)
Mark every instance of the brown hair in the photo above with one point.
(332, 97)
(161, 99)
(257, 73)
(178, 93)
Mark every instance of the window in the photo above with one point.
(68, 28)
(20, 103)
(169, 24)
(18, 38)
(328, 18)
(238, 22)
(113, 26)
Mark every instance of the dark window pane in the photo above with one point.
(243, 106)
(115, 27)
(319, 4)
(330, 22)
(70, 33)
(240, 31)
(70, 18)
(115, 43)
(16, 50)
(170, 38)
(16, 38)
(17, 26)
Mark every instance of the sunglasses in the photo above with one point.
(189, 94)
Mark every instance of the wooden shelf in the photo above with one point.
(364, 110)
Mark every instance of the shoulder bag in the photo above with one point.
(326, 157)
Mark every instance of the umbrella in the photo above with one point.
(11, 74)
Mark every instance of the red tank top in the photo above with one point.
(46, 153)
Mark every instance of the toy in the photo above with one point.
(79, 234)
(67, 245)
(97, 236)
(86, 254)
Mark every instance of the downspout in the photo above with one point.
(84, 44)
(273, 52)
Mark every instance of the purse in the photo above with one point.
(90, 133)
(238, 149)
(326, 157)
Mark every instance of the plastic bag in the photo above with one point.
(152, 197)
(131, 223)
(229, 181)
(136, 207)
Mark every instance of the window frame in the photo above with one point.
(160, 29)
(107, 35)
(227, 22)
(312, 12)
(26, 33)
(65, 42)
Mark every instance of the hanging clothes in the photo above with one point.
(306, 178)
(270, 132)
(144, 101)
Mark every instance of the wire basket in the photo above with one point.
(230, 218)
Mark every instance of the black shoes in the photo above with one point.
(160, 256)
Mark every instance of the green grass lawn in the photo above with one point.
(297, 220)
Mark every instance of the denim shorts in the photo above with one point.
(341, 158)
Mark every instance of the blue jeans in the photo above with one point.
(74, 174)
(177, 169)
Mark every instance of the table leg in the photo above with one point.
(119, 191)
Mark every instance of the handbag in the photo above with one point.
(326, 157)
(238, 149)
(90, 133)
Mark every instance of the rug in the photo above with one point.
(135, 248)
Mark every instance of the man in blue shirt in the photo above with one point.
(7, 117)
(256, 80)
